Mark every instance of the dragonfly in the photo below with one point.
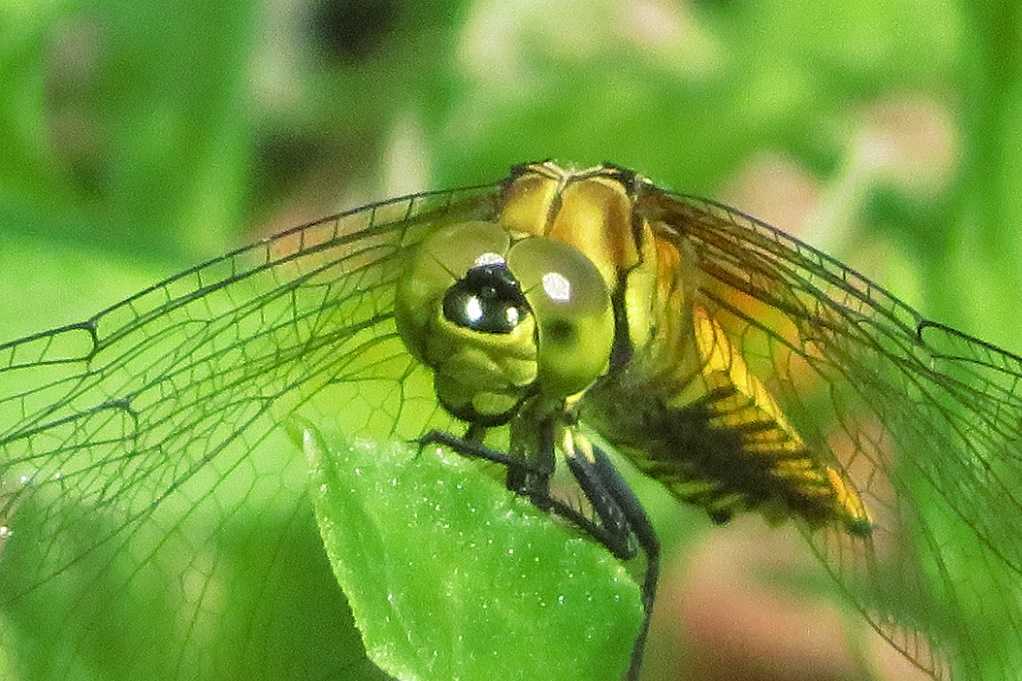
(513, 322)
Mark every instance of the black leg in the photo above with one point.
(621, 517)
(626, 509)
(475, 433)
(472, 449)
(616, 533)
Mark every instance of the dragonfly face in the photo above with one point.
(498, 318)
(740, 368)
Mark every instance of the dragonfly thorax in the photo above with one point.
(499, 316)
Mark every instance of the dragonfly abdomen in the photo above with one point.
(687, 410)
(719, 468)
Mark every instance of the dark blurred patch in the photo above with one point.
(283, 159)
(351, 30)
(74, 57)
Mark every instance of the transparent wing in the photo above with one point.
(927, 423)
(150, 504)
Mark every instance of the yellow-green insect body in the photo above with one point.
(607, 319)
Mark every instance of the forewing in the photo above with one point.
(151, 506)
(925, 421)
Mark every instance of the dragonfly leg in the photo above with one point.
(467, 446)
(621, 518)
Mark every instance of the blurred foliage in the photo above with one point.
(136, 138)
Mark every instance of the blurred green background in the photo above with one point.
(138, 138)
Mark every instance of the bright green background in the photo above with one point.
(136, 138)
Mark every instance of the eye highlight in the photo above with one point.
(557, 287)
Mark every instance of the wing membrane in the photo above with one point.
(926, 421)
(144, 475)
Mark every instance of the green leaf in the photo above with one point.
(450, 576)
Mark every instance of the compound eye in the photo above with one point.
(571, 304)
(438, 265)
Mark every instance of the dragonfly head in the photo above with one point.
(498, 318)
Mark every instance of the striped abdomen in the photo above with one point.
(685, 408)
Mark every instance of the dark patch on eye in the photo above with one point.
(560, 331)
